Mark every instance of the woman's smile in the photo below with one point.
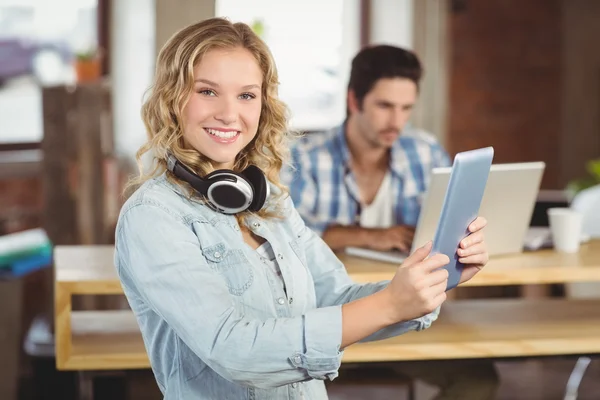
(225, 136)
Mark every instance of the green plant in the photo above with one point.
(86, 55)
(258, 26)
(592, 179)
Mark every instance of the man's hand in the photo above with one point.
(472, 250)
(398, 237)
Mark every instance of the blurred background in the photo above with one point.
(522, 76)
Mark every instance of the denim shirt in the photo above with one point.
(215, 324)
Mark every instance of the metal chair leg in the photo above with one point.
(411, 390)
(576, 377)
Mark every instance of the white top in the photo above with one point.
(378, 214)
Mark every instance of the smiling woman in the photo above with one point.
(242, 300)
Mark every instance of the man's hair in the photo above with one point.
(382, 61)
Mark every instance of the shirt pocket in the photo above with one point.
(232, 265)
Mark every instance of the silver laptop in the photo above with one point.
(507, 204)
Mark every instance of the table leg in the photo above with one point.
(10, 338)
(85, 385)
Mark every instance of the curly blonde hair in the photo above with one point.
(173, 86)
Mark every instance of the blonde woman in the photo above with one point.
(235, 297)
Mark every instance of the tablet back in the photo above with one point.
(463, 197)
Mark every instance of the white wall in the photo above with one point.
(132, 69)
(419, 25)
(392, 22)
(313, 63)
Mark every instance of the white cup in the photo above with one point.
(565, 225)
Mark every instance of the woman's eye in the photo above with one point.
(247, 96)
(207, 92)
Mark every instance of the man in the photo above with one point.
(361, 184)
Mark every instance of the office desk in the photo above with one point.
(540, 267)
(90, 269)
(96, 340)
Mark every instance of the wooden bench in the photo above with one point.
(494, 328)
(96, 340)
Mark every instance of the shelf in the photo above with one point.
(494, 329)
(105, 340)
(466, 329)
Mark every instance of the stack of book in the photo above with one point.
(24, 252)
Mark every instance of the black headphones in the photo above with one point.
(227, 192)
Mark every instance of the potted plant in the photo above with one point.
(591, 179)
(87, 66)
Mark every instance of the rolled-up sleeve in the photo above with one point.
(159, 259)
(417, 324)
(321, 360)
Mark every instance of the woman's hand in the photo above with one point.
(419, 286)
(472, 250)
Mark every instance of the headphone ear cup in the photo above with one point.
(229, 192)
(257, 179)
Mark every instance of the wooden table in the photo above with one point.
(100, 340)
(540, 267)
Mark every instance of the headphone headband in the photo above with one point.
(183, 172)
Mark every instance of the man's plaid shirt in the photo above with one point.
(324, 189)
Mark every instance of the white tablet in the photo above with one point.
(466, 186)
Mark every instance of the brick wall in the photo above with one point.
(505, 80)
(581, 97)
(23, 299)
(20, 204)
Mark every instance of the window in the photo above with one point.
(39, 40)
(312, 42)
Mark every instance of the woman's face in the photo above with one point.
(222, 114)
